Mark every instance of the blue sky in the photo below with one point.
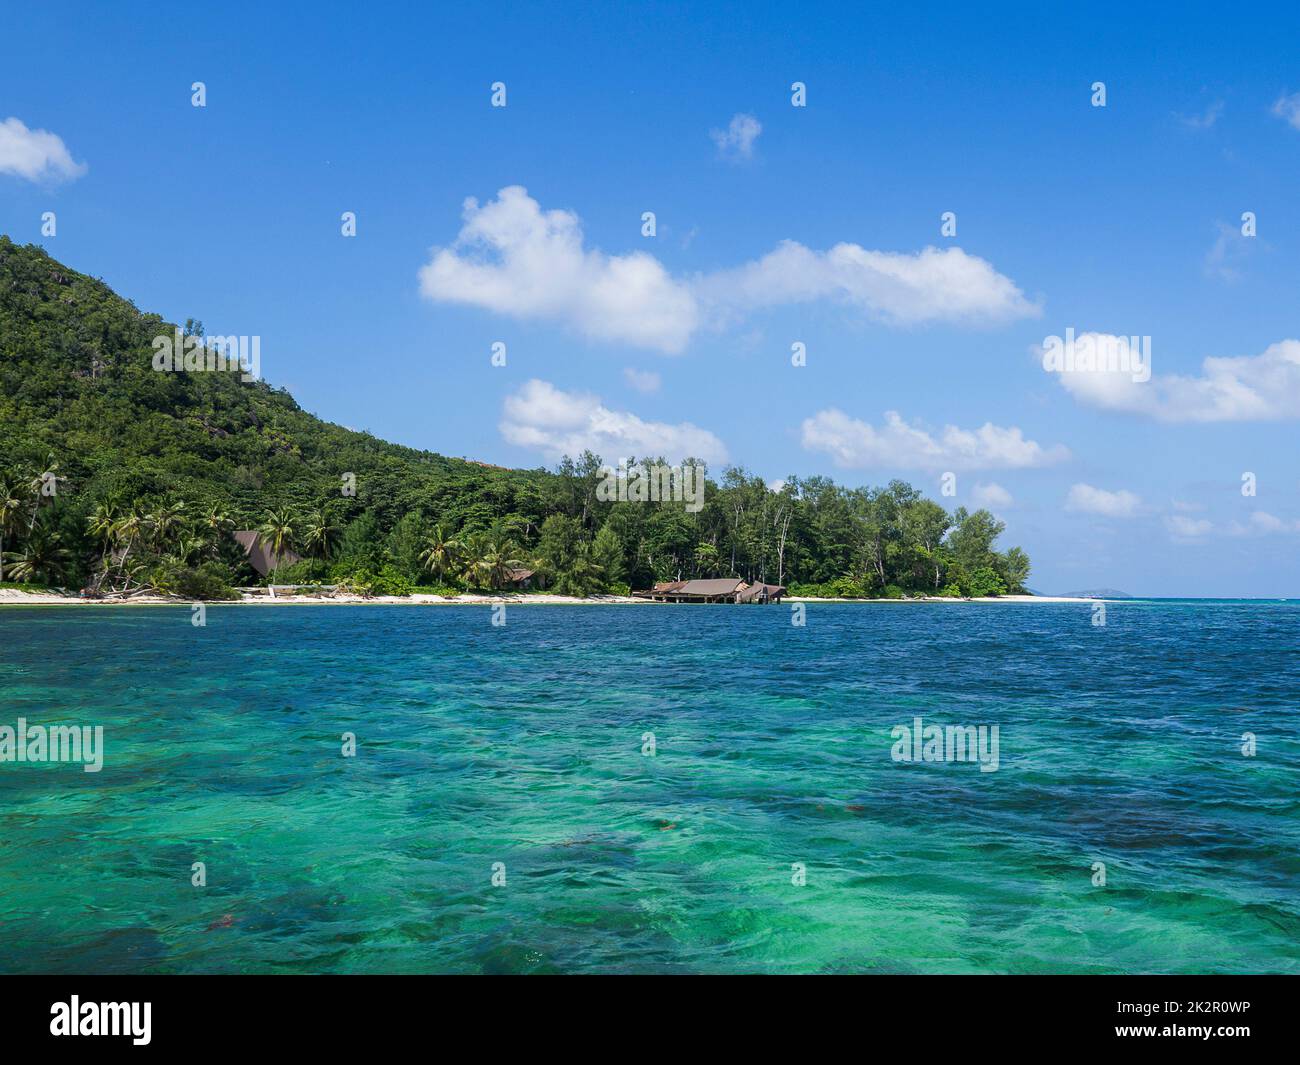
(1118, 220)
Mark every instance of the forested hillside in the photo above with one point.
(117, 476)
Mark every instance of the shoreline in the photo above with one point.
(17, 597)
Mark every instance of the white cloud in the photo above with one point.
(646, 381)
(1287, 108)
(1182, 527)
(736, 142)
(991, 495)
(1205, 120)
(1086, 499)
(1262, 523)
(35, 154)
(1266, 522)
(545, 419)
(855, 444)
(902, 288)
(1245, 388)
(513, 258)
(1228, 252)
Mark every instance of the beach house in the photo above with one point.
(260, 556)
(717, 590)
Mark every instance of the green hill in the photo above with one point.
(77, 381)
(101, 454)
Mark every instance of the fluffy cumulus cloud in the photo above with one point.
(552, 422)
(1085, 499)
(899, 287)
(991, 495)
(1264, 387)
(855, 444)
(511, 257)
(1262, 523)
(736, 142)
(35, 154)
(1181, 527)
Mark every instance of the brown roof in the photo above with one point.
(722, 586)
(668, 586)
(517, 575)
(756, 591)
(260, 557)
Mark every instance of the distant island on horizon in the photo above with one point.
(1096, 593)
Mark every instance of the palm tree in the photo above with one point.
(441, 552)
(102, 525)
(41, 485)
(320, 532)
(187, 546)
(473, 553)
(42, 556)
(498, 561)
(11, 502)
(583, 575)
(133, 572)
(166, 520)
(277, 533)
(126, 532)
(214, 521)
(102, 522)
(706, 559)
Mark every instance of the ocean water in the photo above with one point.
(523, 745)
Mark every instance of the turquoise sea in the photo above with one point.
(523, 745)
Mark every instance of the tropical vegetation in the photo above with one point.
(116, 478)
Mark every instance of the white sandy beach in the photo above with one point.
(17, 597)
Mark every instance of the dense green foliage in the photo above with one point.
(116, 475)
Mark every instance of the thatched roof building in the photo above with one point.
(761, 593)
(717, 590)
(260, 556)
(521, 578)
